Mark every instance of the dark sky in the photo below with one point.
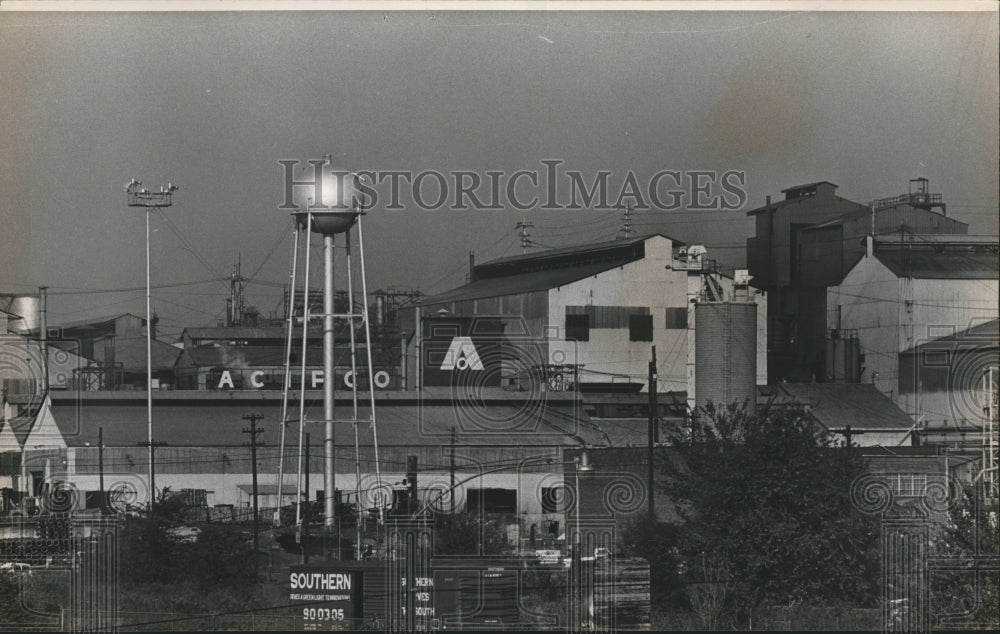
(212, 102)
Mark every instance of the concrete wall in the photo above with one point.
(645, 283)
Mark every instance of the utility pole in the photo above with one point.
(452, 470)
(100, 468)
(626, 230)
(651, 431)
(152, 467)
(523, 225)
(848, 434)
(411, 480)
(253, 431)
(305, 510)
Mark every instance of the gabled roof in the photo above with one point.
(131, 353)
(836, 405)
(775, 206)
(524, 283)
(946, 265)
(98, 321)
(546, 270)
(578, 251)
(806, 186)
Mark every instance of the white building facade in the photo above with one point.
(902, 294)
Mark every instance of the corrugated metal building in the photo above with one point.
(811, 240)
(589, 313)
(507, 448)
(948, 382)
(903, 294)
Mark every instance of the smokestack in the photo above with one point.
(155, 319)
(43, 333)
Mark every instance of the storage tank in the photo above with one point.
(27, 307)
(726, 353)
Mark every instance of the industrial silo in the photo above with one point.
(725, 353)
(24, 306)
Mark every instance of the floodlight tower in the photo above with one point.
(333, 209)
(139, 196)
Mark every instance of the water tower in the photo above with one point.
(329, 206)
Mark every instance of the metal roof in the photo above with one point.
(523, 283)
(98, 321)
(220, 423)
(974, 339)
(947, 265)
(944, 239)
(807, 185)
(806, 199)
(575, 250)
(836, 405)
(546, 270)
(131, 353)
(866, 212)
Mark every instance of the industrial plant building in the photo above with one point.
(590, 315)
(809, 241)
(496, 386)
(904, 294)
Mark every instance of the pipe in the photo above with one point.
(285, 384)
(302, 390)
(329, 443)
(43, 332)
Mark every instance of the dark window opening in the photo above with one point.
(677, 318)
(38, 483)
(550, 499)
(491, 501)
(578, 327)
(640, 328)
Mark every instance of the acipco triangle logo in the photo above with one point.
(462, 355)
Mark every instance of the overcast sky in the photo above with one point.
(212, 102)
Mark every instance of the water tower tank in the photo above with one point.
(726, 353)
(333, 203)
(26, 307)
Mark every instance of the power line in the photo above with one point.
(130, 289)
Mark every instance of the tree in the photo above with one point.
(656, 542)
(968, 592)
(221, 557)
(460, 534)
(151, 553)
(768, 518)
